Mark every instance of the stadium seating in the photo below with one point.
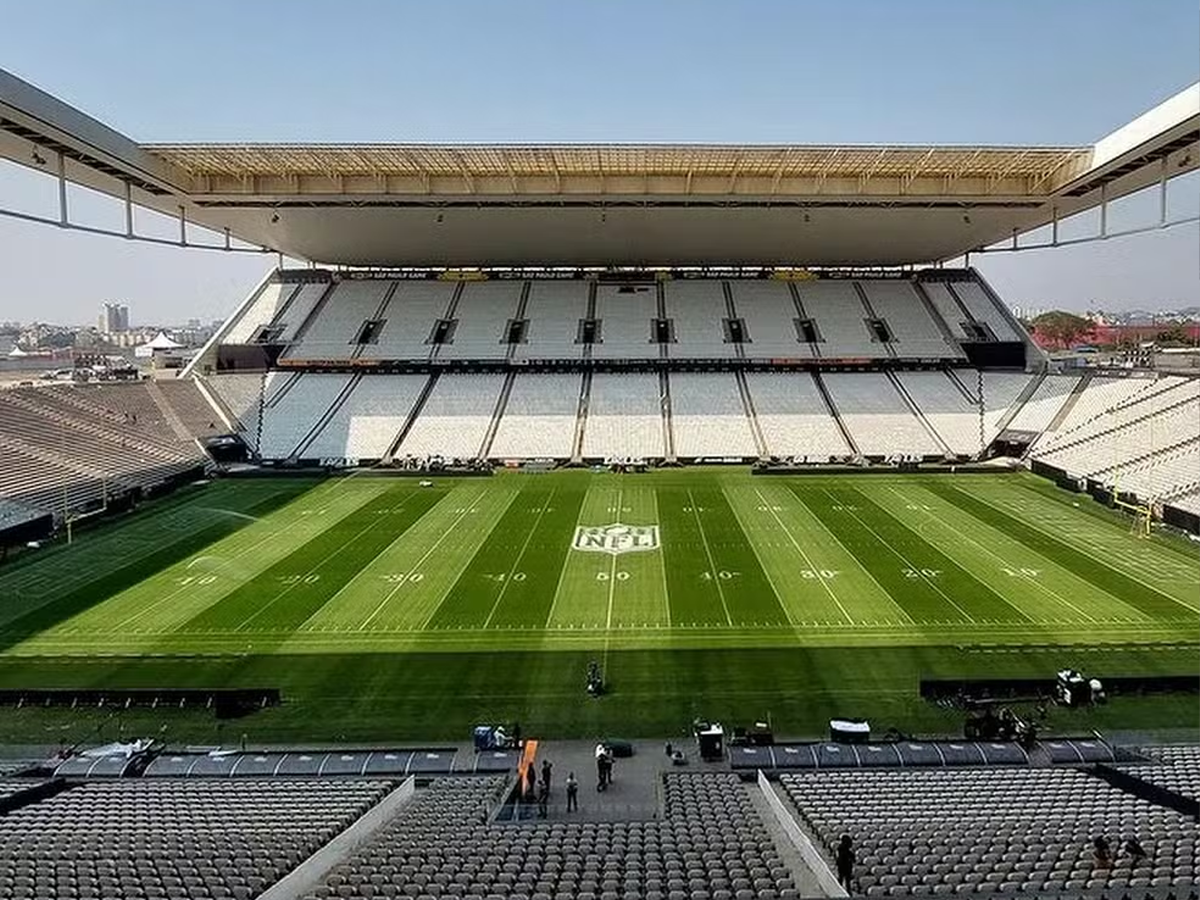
(708, 418)
(332, 334)
(553, 311)
(625, 316)
(455, 418)
(953, 415)
(697, 311)
(539, 418)
(294, 406)
(482, 312)
(948, 308)
(709, 843)
(793, 417)
(366, 424)
(1141, 445)
(259, 313)
(840, 318)
(983, 310)
(1040, 410)
(877, 417)
(624, 417)
(916, 333)
(67, 448)
(991, 830)
(770, 315)
(173, 839)
(1179, 770)
(410, 319)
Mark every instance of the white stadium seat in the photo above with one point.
(708, 417)
(455, 417)
(624, 417)
(793, 417)
(539, 417)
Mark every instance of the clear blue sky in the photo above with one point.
(840, 71)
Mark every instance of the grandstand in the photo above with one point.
(598, 309)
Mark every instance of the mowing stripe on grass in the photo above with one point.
(693, 591)
(1035, 584)
(292, 589)
(748, 594)
(175, 595)
(1150, 601)
(470, 602)
(1101, 534)
(976, 599)
(99, 551)
(526, 602)
(915, 574)
(71, 603)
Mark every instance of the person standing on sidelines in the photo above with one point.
(572, 793)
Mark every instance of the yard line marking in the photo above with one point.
(662, 565)
(858, 563)
(808, 562)
(988, 550)
(1017, 509)
(519, 557)
(562, 572)
(712, 565)
(227, 561)
(262, 609)
(612, 583)
(445, 534)
(900, 556)
(183, 587)
(612, 577)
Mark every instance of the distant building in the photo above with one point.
(114, 318)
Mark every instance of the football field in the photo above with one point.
(364, 587)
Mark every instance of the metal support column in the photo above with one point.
(182, 227)
(128, 210)
(1103, 212)
(63, 218)
(1054, 226)
(1162, 192)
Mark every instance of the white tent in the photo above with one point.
(161, 344)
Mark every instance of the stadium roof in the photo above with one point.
(607, 204)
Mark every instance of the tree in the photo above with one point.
(1062, 328)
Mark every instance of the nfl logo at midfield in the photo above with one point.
(616, 538)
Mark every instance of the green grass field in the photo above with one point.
(385, 610)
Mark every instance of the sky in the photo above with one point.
(791, 71)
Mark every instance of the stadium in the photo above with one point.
(559, 453)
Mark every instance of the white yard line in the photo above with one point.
(862, 568)
(1004, 563)
(313, 570)
(712, 565)
(520, 555)
(807, 561)
(908, 564)
(662, 563)
(612, 576)
(1075, 546)
(166, 598)
(415, 566)
(562, 573)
